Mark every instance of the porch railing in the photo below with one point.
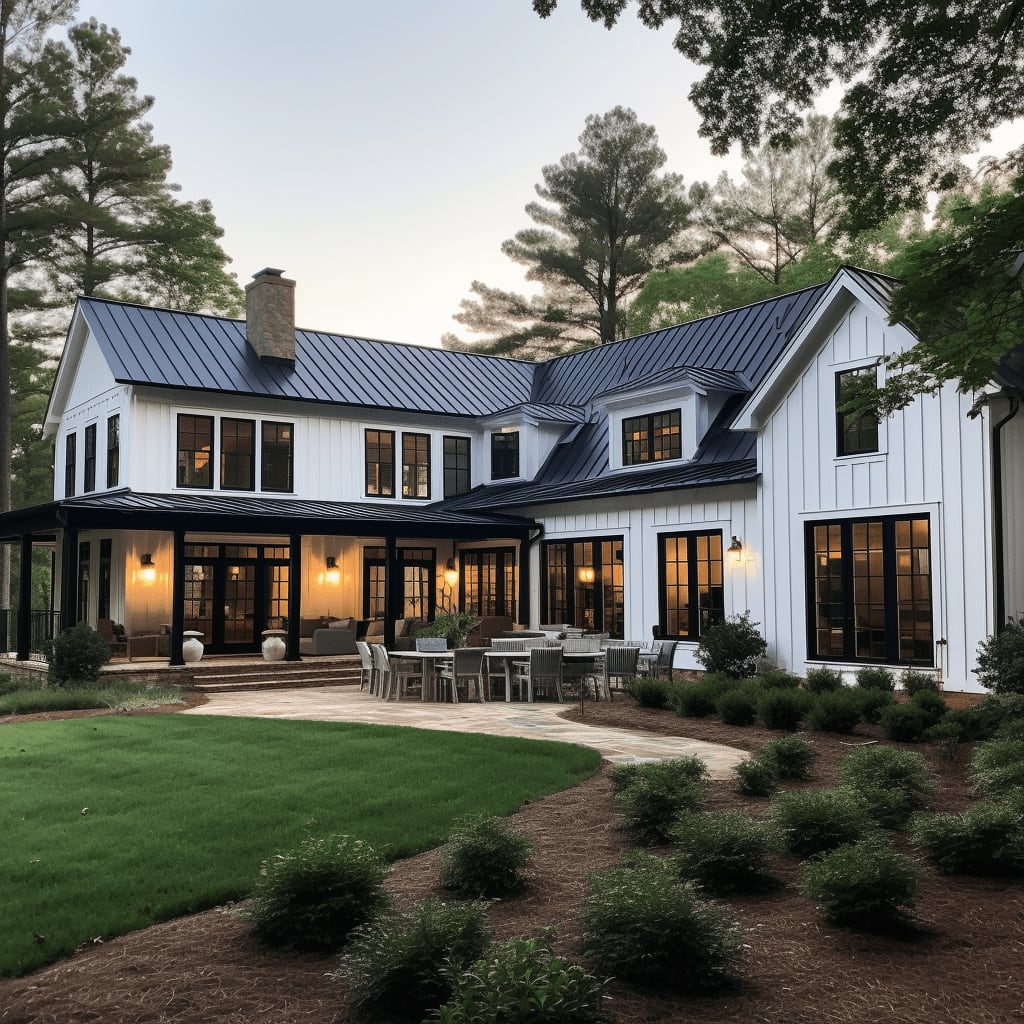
(43, 626)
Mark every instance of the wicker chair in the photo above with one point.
(468, 668)
(541, 672)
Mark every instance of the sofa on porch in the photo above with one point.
(405, 633)
(491, 626)
(336, 637)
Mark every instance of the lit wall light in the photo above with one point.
(736, 551)
(333, 574)
(585, 574)
(451, 574)
(148, 571)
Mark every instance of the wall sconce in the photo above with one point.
(736, 550)
(148, 571)
(585, 574)
(451, 574)
(333, 574)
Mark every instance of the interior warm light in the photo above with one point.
(736, 550)
(333, 574)
(451, 574)
(585, 574)
(148, 571)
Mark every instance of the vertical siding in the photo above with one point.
(1013, 505)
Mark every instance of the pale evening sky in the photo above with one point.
(380, 152)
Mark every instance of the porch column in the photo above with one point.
(25, 600)
(178, 598)
(392, 590)
(68, 576)
(524, 582)
(294, 597)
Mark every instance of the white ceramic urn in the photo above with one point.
(273, 645)
(191, 647)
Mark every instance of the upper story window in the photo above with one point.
(113, 450)
(505, 455)
(457, 475)
(276, 468)
(380, 463)
(70, 446)
(856, 433)
(415, 465)
(89, 462)
(652, 438)
(195, 451)
(238, 454)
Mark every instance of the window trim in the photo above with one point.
(70, 460)
(458, 439)
(647, 419)
(367, 431)
(694, 609)
(212, 459)
(415, 466)
(251, 485)
(504, 453)
(841, 418)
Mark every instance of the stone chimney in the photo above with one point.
(270, 316)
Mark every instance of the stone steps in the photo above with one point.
(334, 675)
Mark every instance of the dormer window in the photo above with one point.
(505, 455)
(652, 438)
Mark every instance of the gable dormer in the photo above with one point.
(663, 417)
(519, 439)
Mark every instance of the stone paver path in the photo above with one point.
(534, 721)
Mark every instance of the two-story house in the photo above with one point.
(226, 475)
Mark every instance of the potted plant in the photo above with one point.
(455, 627)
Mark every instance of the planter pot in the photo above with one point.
(191, 647)
(273, 645)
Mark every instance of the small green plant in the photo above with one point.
(837, 711)
(1001, 659)
(893, 783)
(645, 926)
(313, 897)
(912, 683)
(872, 703)
(402, 965)
(986, 839)
(725, 851)
(814, 821)
(777, 679)
(790, 756)
(694, 700)
(455, 627)
(755, 778)
(823, 680)
(932, 703)
(783, 709)
(737, 705)
(946, 737)
(650, 693)
(906, 723)
(656, 794)
(76, 655)
(875, 679)
(864, 883)
(676, 770)
(732, 646)
(485, 857)
(523, 982)
(997, 767)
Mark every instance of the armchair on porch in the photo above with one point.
(115, 636)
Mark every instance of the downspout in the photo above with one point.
(998, 537)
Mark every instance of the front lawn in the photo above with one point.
(110, 824)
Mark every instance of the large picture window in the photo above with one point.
(505, 455)
(488, 582)
(113, 450)
(457, 476)
(238, 454)
(583, 584)
(415, 465)
(380, 463)
(691, 591)
(869, 590)
(195, 451)
(277, 457)
(856, 433)
(652, 438)
(89, 462)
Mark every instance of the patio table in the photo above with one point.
(507, 658)
(429, 661)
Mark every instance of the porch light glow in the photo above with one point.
(585, 574)
(333, 574)
(451, 574)
(148, 571)
(736, 550)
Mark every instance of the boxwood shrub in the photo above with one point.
(906, 723)
(755, 778)
(783, 709)
(986, 839)
(997, 767)
(790, 756)
(837, 711)
(650, 693)
(814, 821)
(738, 704)
(823, 680)
(873, 702)
(875, 679)
(893, 783)
(485, 858)
(725, 851)
(694, 700)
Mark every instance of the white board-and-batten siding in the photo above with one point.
(932, 458)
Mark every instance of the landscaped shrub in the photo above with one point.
(650, 693)
(643, 925)
(969, 725)
(912, 682)
(725, 851)
(783, 709)
(875, 679)
(694, 700)
(823, 680)
(76, 655)
(655, 797)
(893, 783)
(677, 770)
(1001, 659)
(732, 646)
(835, 712)
(778, 679)
(905, 723)
(790, 756)
(932, 702)
(986, 839)
(872, 703)
(997, 767)
(813, 821)
(523, 982)
(313, 897)
(401, 966)
(755, 778)
(865, 883)
(485, 857)
(738, 704)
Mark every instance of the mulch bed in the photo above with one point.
(961, 966)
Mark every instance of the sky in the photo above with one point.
(380, 151)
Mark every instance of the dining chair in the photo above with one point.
(366, 665)
(581, 645)
(541, 673)
(620, 669)
(381, 683)
(506, 644)
(468, 668)
(666, 657)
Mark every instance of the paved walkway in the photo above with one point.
(534, 721)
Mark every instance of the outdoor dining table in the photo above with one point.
(429, 660)
(507, 658)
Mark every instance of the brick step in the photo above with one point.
(286, 683)
(227, 667)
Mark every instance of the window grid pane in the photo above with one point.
(692, 577)
(415, 465)
(89, 463)
(505, 455)
(70, 444)
(856, 434)
(278, 457)
(456, 466)
(113, 450)
(195, 451)
(913, 585)
(380, 463)
(238, 454)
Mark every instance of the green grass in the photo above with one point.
(183, 809)
(128, 696)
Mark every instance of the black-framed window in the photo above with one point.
(487, 581)
(415, 465)
(277, 456)
(89, 460)
(84, 561)
(504, 455)
(380, 463)
(103, 591)
(457, 465)
(869, 590)
(113, 451)
(691, 591)
(237, 454)
(583, 584)
(856, 433)
(418, 569)
(70, 458)
(195, 451)
(652, 438)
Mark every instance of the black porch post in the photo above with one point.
(294, 597)
(68, 576)
(25, 599)
(392, 589)
(178, 598)
(524, 582)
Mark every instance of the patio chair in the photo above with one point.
(467, 668)
(582, 645)
(620, 669)
(666, 656)
(366, 665)
(542, 673)
(381, 680)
